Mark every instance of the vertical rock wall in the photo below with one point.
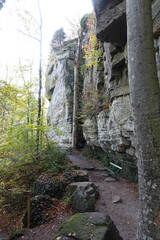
(59, 90)
(109, 126)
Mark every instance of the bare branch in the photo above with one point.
(28, 35)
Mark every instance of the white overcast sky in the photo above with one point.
(14, 46)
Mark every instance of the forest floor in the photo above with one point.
(123, 213)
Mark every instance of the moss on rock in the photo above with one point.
(86, 226)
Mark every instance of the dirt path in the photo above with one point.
(124, 214)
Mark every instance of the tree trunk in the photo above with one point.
(40, 83)
(75, 99)
(145, 100)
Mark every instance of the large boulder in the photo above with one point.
(87, 226)
(83, 196)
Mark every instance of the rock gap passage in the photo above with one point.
(104, 106)
(104, 116)
(90, 113)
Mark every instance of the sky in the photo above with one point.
(15, 47)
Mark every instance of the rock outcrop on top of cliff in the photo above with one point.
(110, 128)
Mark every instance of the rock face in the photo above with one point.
(111, 21)
(59, 90)
(85, 226)
(112, 128)
(109, 126)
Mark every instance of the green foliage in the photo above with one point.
(18, 123)
(130, 173)
(93, 102)
(67, 199)
(16, 177)
(53, 159)
(106, 160)
(93, 53)
(20, 162)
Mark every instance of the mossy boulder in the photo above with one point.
(87, 226)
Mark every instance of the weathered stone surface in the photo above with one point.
(59, 89)
(156, 18)
(111, 22)
(86, 226)
(83, 196)
(115, 129)
(157, 47)
(111, 126)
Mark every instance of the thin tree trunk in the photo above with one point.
(145, 100)
(40, 83)
(75, 99)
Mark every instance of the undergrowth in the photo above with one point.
(17, 177)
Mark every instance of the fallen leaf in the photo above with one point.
(69, 234)
(74, 234)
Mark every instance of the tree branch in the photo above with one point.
(28, 35)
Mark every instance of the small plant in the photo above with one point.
(130, 173)
(19, 176)
(92, 51)
(106, 160)
(67, 199)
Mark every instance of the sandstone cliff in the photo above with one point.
(111, 126)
